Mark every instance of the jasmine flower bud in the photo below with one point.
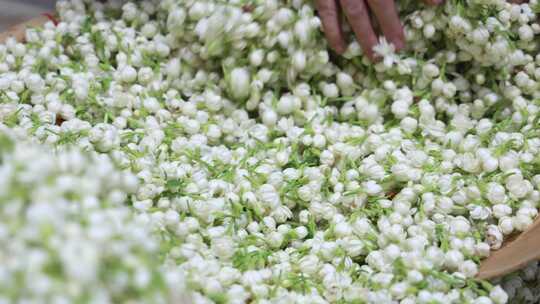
(239, 80)
(299, 61)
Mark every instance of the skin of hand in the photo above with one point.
(357, 13)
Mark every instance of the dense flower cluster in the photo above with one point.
(66, 234)
(268, 170)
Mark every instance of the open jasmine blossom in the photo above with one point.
(215, 149)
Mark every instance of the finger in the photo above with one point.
(328, 11)
(433, 2)
(388, 19)
(358, 17)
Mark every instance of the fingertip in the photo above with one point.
(368, 51)
(328, 12)
(399, 40)
(399, 44)
(336, 43)
(373, 57)
(370, 54)
(389, 21)
(340, 48)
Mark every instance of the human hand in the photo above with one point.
(358, 17)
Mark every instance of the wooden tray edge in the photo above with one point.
(18, 30)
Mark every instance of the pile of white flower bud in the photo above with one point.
(268, 169)
(67, 234)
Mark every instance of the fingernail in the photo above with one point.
(374, 57)
(340, 49)
(398, 44)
